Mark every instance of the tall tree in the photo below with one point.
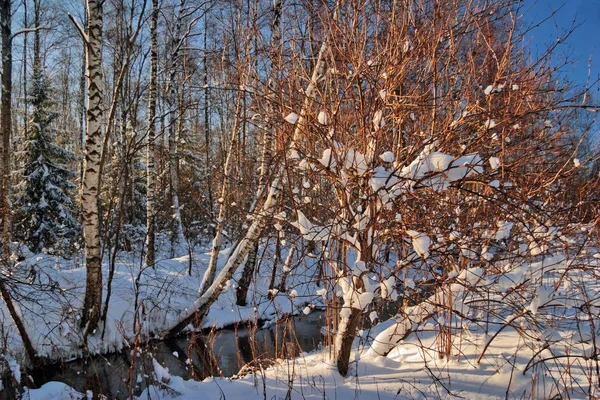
(150, 168)
(177, 42)
(92, 166)
(6, 123)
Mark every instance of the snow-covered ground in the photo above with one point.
(410, 372)
(537, 340)
(49, 291)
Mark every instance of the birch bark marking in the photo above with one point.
(151, 173)
(91, 173)
(5, 22)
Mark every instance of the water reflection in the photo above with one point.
(188, 357)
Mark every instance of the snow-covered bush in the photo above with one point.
(427, 162)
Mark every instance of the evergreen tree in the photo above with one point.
(44, 217)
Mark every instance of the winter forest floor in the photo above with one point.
(552, 354)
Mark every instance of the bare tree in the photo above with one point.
(150, 152)
(5, 26)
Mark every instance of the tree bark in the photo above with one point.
(150, 168)
(5, 22)
(24, 75)
(91, 175)
(345, 339)
(208, 148)
(176, 45)
(246, 279)
(29, 349)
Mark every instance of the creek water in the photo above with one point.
(118, 375)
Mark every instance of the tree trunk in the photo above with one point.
(178, 240)
(345, 339)
(240, 251)
(5, 22)
(209, 275)
(246, 278)
(29, 349)
(265, 160)
(91, 175)
(150, 168)
(207, 124)
(287, 268)
(82, 114)
(24, 75)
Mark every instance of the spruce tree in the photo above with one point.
(44, 217)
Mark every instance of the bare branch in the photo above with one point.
(80, 29)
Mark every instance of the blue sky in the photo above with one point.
(585, 41)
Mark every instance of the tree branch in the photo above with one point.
(27, 30)
(80, 29)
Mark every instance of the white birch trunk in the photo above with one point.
(91, 174)
(150, 170)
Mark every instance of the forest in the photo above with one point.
(407, 177)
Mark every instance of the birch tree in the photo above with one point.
(177, 41)
(92, 167)
(150, 168)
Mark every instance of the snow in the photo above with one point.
(388, 288)
(434, 170)
(52, 391)
(355, 160)
(548, 301)
(322, 118)
(489, 124)
(504, 229)
(292, 118)
(309, 230)
(420, 242)
(327, 160)
(161, 374)
(403, 354)
(378, 120)
(387, 157)
(494, 162)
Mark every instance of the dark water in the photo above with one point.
(114, 375)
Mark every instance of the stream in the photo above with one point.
(186, 357)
